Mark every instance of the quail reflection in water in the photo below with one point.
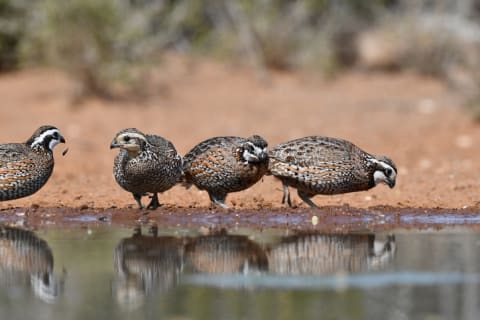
(146, 264)
(26, 260)
(316, 254)
(220, 253)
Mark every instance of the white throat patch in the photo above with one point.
(379, 177)
(248, 157)
(53, 143)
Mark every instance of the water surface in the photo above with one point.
(180, 273)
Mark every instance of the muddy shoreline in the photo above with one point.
(334, 219)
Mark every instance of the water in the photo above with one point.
(178, 273)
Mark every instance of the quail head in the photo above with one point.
(222, 165)
(26, 167)
(146, 164)
(322, 165)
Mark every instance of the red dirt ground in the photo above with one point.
(417, 121)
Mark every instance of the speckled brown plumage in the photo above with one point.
(26, 167)
(322, 165)
(222, 165)
(145, 164)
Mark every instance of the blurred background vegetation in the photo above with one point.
(109, 46)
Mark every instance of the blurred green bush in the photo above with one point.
(12, 29)
(109, 46)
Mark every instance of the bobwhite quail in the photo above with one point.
(145, 164)
(225, 164)
(322, 165)
(26, 167)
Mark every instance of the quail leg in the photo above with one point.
(153, 230)
(286, 195)
(219, 200)
(138, 198)
(306, 197)
(154, 204)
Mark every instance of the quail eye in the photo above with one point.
(55, 135)
(126, 139)
(388, 171)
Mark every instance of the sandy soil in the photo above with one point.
(417, 121)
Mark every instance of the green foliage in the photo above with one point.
(109, 46)
(104, 44)
(12, 19)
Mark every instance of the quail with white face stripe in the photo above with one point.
(26, 167)
(222, 165)
(322, 165)
(146, 164)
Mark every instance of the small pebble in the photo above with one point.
(464, 141)
(426, 106)
(425, 164)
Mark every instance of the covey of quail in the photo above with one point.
(323, 165)
(146, 164)
(26, 167)
(222, 165)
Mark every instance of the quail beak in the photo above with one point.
(114, 144)
(62, 139)
(391, 183)
(263, 157)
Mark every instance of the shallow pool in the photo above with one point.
(106, 272)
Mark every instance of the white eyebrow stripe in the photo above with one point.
(257, 149)
(38, 140)
(133, 135)
(382, 163)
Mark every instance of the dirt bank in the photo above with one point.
(415, 120)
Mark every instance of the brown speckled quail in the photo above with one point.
(222, 165)
(145, 164)
(26, 167)
(322, 165)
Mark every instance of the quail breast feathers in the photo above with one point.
(221, 165)
(26, 167)
(145, 164)
(323, 165)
